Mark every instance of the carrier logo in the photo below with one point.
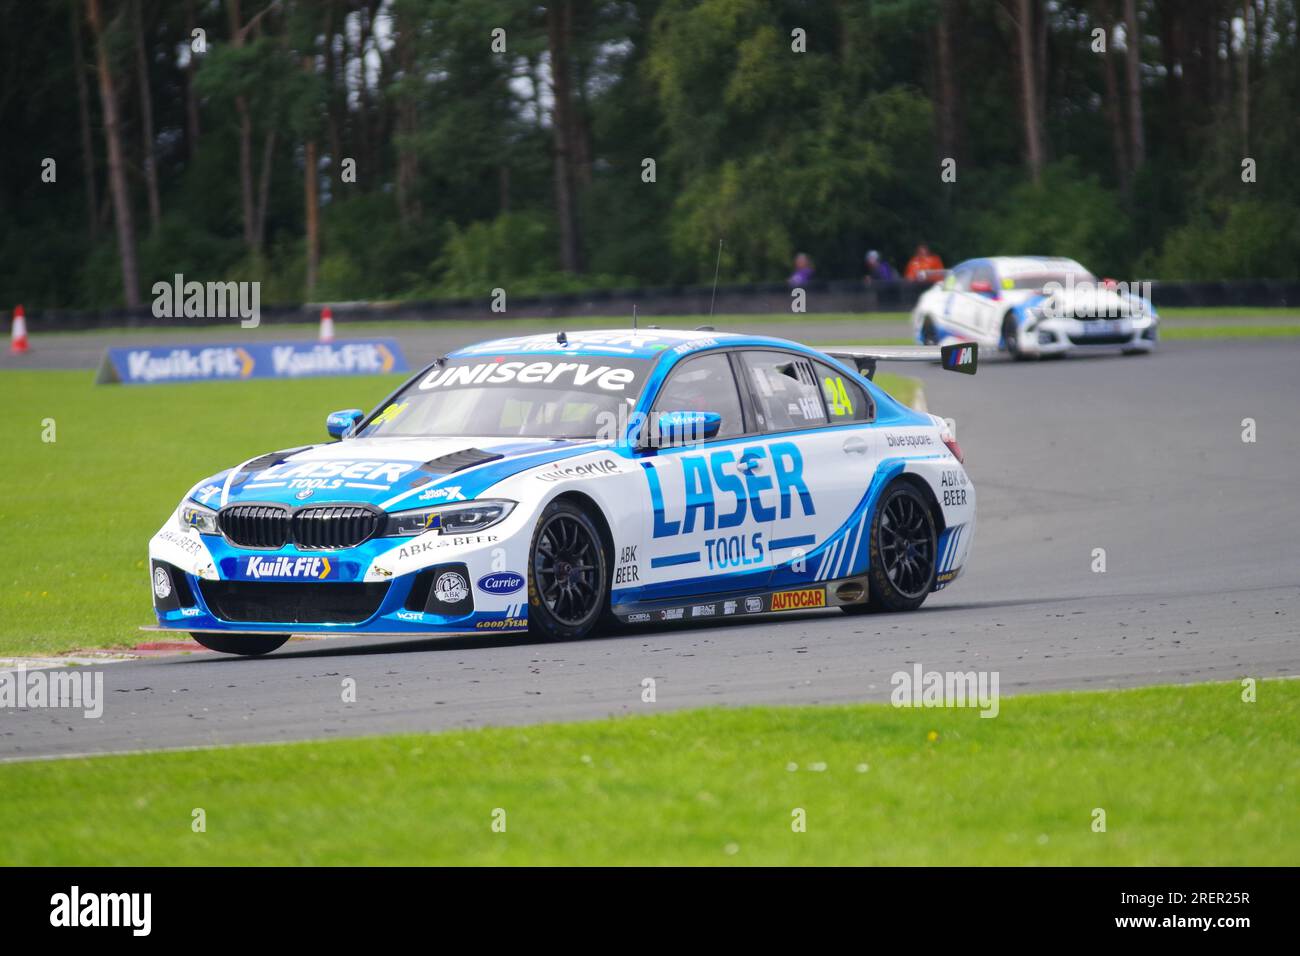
(798, 600)
(502, 582)
(287, 568)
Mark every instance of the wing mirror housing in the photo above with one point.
(341, 424)
(675, 429)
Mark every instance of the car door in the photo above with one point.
(979, 301)
(822, 454)
(962, 306)
(707, 506)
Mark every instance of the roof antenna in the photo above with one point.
(633, 316)
(562, 339)
(716, 266)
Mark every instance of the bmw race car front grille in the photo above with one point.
(255, 526)
(334, 526)
(1109, 338)
(293, 602)
(316, 528)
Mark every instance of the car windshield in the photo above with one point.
(508, 396)
(1040, 280)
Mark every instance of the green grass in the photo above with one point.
(901, 387)
(76, 515)
(1186, 775)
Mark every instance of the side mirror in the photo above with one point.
(674, 429)
(340, 424)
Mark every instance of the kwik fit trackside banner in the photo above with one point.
(149, 365)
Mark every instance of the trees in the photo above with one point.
(116, 159)
(779, 125)
(566, 133)
(1027, 14)
(1133, 72)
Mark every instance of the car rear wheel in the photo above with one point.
(903, 549)
(568, 576)
(245, 645)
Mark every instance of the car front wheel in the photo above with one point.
(568, 576)
(1011, 336)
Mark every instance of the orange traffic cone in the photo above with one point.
(326, 325)
(18, 336)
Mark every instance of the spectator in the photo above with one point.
(878, 270)
(922, 264)
(803, 271)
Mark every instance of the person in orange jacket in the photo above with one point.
(922, 263)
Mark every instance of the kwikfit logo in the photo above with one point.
(288, 568)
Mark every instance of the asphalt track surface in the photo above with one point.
(1140, 456)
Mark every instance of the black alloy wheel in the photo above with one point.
(568, 587)
(903, 549)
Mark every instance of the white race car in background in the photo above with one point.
(1035, 305)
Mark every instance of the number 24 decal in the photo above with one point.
(838, 396)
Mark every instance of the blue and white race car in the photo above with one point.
(559, 483)
(1036, 306)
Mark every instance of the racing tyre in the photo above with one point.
(1010, 336)
(928, 335)
(245, 645)
(568, 575)
(903, 550)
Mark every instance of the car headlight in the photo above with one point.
(448, 519)
(196, 516)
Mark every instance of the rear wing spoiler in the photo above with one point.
(960, 357)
